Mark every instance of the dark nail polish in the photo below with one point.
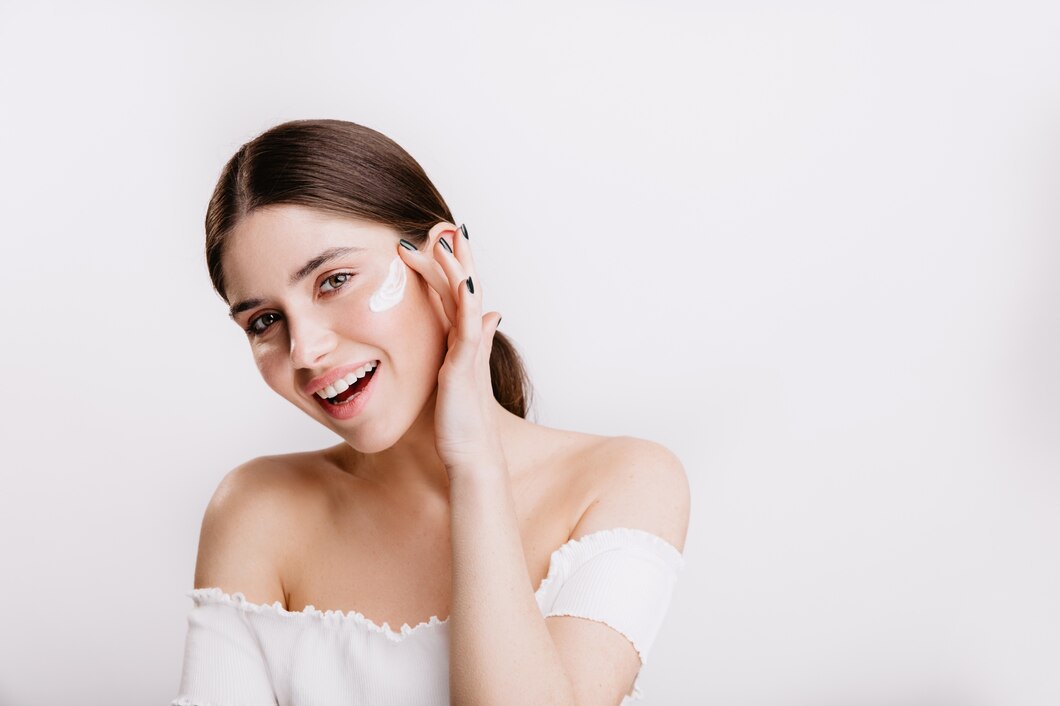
(446, 245)
(407, 245)
(499, 320)
(463, 229)
(470, 286)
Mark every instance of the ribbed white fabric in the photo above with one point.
(238, 653)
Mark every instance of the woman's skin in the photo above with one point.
(436, 452)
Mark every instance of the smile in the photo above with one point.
(344, 383)
(347, 397)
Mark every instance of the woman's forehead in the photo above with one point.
(279, 246)
(298, 229)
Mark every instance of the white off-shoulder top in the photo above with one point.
(238, 653)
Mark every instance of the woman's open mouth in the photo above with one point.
(350, 401)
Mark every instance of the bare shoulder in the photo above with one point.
(247, 528)
(639, 484)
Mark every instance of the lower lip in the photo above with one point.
(354, 406)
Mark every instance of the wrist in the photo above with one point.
(478, 472)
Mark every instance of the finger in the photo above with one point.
(435, 277)
(442, 238)
(490, 322)
(469, 309)
(462, 250)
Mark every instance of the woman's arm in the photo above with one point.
(503, 650)
(243, 532)
(242, 536)
(500, 649)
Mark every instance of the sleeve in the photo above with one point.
(622, 577)
(223, 662)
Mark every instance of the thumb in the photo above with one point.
(490, 322)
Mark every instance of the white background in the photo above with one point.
(810, 248)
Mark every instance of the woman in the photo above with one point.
(362, 307)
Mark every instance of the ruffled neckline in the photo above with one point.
(568, 551)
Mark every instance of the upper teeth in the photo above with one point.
(342, 384)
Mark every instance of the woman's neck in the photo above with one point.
(411, 468)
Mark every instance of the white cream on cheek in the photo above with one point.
(392, 290)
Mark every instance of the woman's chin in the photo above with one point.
(369, 446)
(367, 440)
(373, 430)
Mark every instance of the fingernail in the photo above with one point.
(446, 245)
(499, 320)
(463, 229)
(470, 286)
(407, 245)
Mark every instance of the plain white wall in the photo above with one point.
(812, 249)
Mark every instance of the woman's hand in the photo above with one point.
(465, 420)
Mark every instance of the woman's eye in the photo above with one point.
(254, 330)
(347, 275)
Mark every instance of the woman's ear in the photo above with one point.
(438, 230)
(449, 230)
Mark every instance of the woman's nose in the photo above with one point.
(310, 341)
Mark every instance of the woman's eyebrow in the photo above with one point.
(313, 263)
(299, 274)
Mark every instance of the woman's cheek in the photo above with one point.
(269, 359)
(378, 315)
(392, 290)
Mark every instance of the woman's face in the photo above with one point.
(310, 319)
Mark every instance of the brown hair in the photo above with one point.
(348, 170)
